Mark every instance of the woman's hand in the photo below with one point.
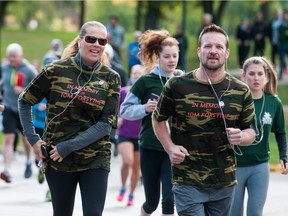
(37, 149)
(54, 154)
(150, 106)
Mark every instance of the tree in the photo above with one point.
(264, 8)
(82, 13)
(152, 15)
(3, 5)
(154, 12)
(208, 7)
(138, 15)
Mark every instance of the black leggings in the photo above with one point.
(156, 169)
(93, 188)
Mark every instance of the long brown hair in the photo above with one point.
(152, 43)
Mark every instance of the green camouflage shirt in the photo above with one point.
(198, 125)
(70, 114)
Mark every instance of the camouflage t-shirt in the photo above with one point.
(69, 114)
(198, 125)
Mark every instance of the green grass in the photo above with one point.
(35, 43)
(274, 156)
(282, 93)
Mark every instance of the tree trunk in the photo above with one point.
(3, 5)
(138, 15)
(152, 15)
(208, 7)
(264, 8)
(82, 13)
(219, 13)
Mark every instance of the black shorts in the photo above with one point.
(11, 121)
(129, 139)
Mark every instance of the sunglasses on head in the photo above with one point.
(92, 40)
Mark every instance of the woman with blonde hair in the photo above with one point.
(82, 105)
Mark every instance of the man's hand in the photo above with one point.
(177, 154)
(234, 135)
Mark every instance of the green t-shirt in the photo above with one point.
(69, 114)
(270, 118)
(142, 88)
(198, 125)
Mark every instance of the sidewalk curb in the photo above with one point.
(275, 167)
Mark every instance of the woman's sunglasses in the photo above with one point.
(92, 40)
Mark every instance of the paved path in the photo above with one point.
(26, 197)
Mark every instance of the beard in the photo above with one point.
(212, 67)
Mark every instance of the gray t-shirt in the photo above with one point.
(11, 77)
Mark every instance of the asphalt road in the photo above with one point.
(26, 197)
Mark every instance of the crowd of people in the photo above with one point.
(194, 139)
(254, 33)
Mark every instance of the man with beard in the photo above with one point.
(212, 113)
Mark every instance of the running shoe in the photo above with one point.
(5, 176)
(120, 197)
(130, 200)
(48, 196)
(28, 171)
(41, 177)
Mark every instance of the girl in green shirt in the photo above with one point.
(159, 53)
(252, 164)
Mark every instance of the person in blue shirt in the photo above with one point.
(133, 50)
(39, 114)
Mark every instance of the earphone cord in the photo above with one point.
(232, 146)
(261, 132)
(221, 110)
(75, 96)
(161, 79)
